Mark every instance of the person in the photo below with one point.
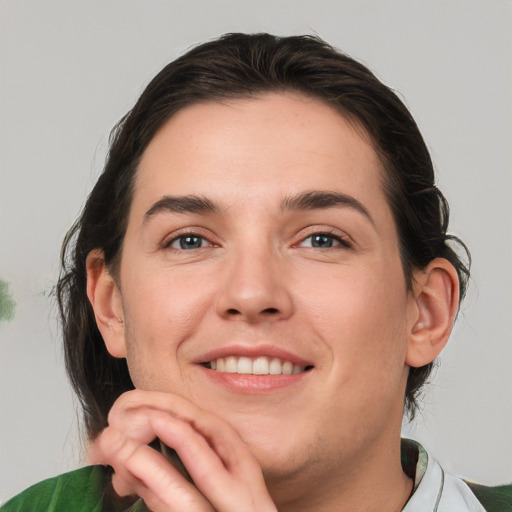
(255, 293)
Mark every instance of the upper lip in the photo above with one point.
(252, 351)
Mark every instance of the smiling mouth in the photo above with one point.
(256, 366)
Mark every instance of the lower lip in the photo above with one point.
(254, 384)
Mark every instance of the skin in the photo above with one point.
(255, 284)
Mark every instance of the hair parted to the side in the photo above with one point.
(244, 66)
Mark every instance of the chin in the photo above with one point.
(280, 456)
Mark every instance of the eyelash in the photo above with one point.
(343, 241)
(182, 237)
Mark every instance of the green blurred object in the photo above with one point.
(7, 304)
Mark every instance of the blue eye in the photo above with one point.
(188, 242)
(323, 241)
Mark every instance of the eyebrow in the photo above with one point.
(319, 200)
(182, 204)
(309, 200)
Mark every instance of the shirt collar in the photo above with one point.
(434, 490)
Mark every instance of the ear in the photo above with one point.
(105, 298)
(433, 308)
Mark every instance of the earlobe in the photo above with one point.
(434, 304)
(105, 299)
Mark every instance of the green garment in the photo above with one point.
(84, 490)
(494, 499)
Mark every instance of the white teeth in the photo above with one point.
(287, 368)
(244, 365)
(257, 366)
(297, 368)
(275, 366)
(260, 366)
(231, 365)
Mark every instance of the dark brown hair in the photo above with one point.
(244, 66)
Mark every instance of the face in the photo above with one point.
(261, 279)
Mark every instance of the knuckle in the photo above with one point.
(110, 441)
(126, 404)
(117, 448)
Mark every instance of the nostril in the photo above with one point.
(231, 312)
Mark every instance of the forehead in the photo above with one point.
(286, 141)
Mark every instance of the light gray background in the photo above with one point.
(70, 69)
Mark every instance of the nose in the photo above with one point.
(255, 288)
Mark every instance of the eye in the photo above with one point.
(324, 241)
(188, 242)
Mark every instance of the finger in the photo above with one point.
(142, 471)
(132, 409)
(193, 449)
(218, 460)
(160, 485)
(227, 491)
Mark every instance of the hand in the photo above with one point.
(226, 477)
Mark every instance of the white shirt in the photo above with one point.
(438, 491)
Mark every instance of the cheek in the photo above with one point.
(361, 316)
(163, 298)
(161, 313)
